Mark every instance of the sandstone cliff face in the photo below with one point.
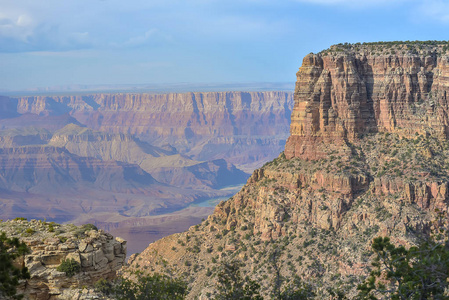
(172, 115)
(367, 157)
(98, 254)
(204, 125)
(343, 93)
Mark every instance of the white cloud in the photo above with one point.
(24, 21)
(18, 27)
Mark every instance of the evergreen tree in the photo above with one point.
(231, 285)
(149, 287)
(420, 272)
(10, 249)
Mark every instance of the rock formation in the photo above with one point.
(51, 182)
(242, 127)
(97, 253)
(343, 93)
(166, 165)
(367, 157)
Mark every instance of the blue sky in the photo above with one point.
(57, 43)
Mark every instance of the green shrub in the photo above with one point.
(104, 286)
(69, 266)
(87, 227)
(11, 249)
(30, 231)
(152, 287)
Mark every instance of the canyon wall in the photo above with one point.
(344, 93)
(242, 127)
(134, 161)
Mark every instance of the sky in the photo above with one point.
(109, 42)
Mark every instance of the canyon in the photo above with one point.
(367, 156)
(134, 164)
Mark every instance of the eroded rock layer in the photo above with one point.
(348, 91)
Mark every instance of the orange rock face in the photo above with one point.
(341, 95)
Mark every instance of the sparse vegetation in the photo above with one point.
(11, 249)
(419, 272)
(150, 287)
(231, 285)
(69, 266)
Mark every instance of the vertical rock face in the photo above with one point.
(343, 93)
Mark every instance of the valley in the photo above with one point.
(135, 164)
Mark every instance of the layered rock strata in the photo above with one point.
(348, 91)
(98, 254)
(244, 127)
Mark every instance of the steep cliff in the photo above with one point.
(367, 156)
(205, 126)
(350, 90)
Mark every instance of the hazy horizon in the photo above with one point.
(152, 88)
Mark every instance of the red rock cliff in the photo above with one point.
(347, 91)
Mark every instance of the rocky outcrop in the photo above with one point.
(367, 157)
(348, 91)
(96, 252)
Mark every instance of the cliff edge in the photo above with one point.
(350, 90)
